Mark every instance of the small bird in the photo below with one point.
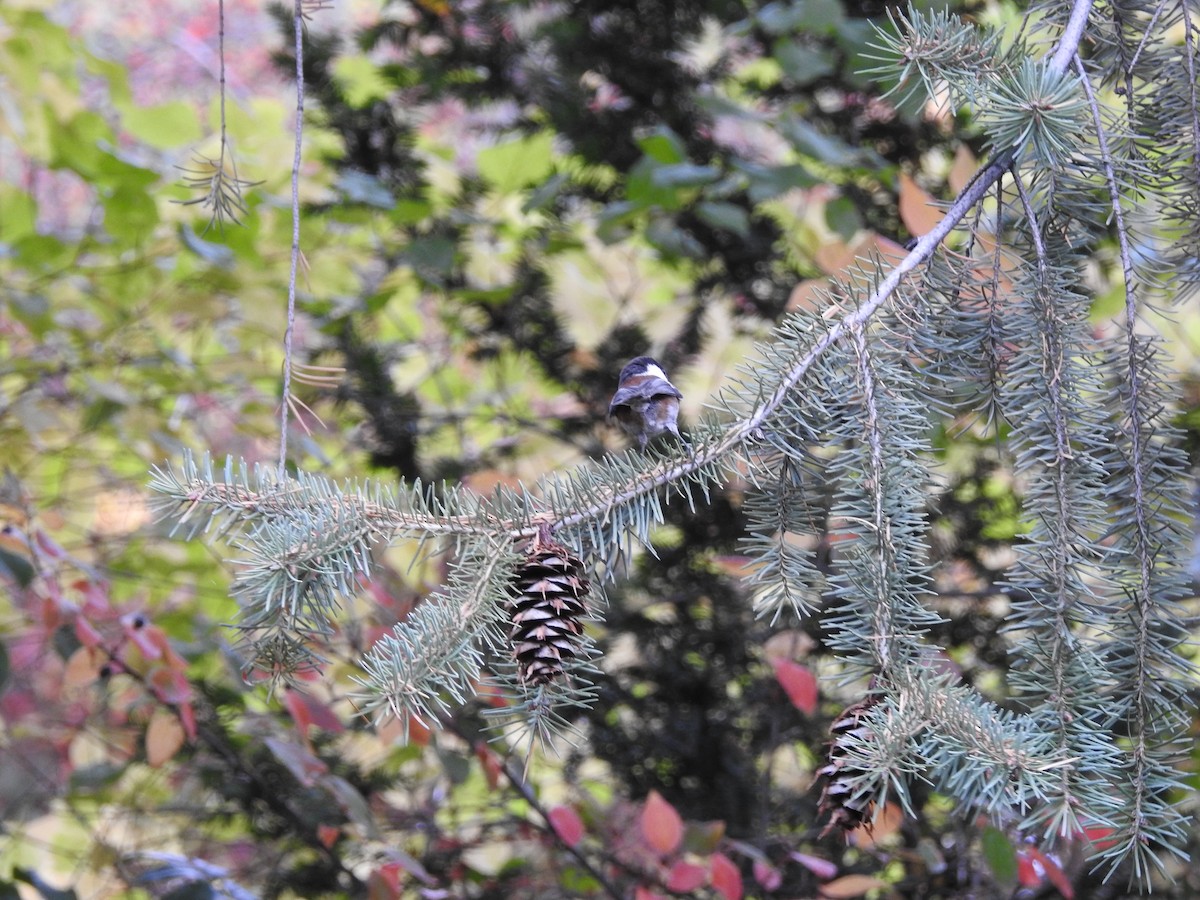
(646, 403)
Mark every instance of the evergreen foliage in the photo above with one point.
(986, 319)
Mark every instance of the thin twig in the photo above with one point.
(298, 26)
(522, 787)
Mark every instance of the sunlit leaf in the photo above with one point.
(519, 163)
(164, 737)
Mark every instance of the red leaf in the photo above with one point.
(1101, 836)
(187, 718)
(726, 877)
(170, 685)
(685, 877)
(566, 824)
(1028, 873)
(491, 762)
(328, 835)
(661, 824)
(87, 633)
(799, 683)
(767, 875)
(384, 883)
(307, 711)
(1054, 873)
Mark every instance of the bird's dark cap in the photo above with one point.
(638, 365)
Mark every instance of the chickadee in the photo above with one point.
(646, 404)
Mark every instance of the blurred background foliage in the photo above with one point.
(504, 201)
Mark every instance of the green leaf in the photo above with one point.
(360, 187)
(842, 216)
(360, 81)
(780, 17)
(801, 62)
(1000, 855)
(811, 142)
(18, 214)
(410, 211)
(214, 254)
(725, 216)
(43, 251)
(130, 214)
(75, 145)
(518, 164)
(683, 175)
(771, 181)
(163, 126)
(20, 570)
(193, 890)
(663, 146)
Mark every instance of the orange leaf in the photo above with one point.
(566, 824)
(164, 737)
(850, 886)
(82, 668)
(799, 683)
(661, 824)
(885, 824)
(328, 835)
(964, 168)
(917, 211)
(726, 877)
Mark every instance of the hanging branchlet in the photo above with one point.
(881, 573)
(1148, 502)
(216, 183)
(218, 189)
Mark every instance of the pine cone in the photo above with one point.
(847, 808)
(545, 613)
